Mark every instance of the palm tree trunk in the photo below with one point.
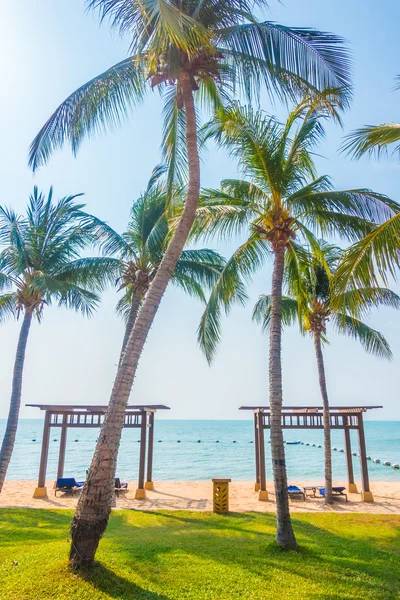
(284, 534)
(133, 312)
(327, 422)
(7, 446)
(93, 510)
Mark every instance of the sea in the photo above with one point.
(200, 450)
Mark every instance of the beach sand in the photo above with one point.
(197, 496)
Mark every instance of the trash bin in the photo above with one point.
(221, 495)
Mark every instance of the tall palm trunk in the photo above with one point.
(327, 423)
(15, 402)
(91, 516)
(284, 534)
(133, 312)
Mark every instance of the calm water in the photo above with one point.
(193, 461)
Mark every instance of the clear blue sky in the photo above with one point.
(47, 49)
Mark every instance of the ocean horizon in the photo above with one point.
(197, 450)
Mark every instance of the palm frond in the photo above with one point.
(189, 286)
(79, 299)
(221, 214)
(8, 307)
(155, 25)
(262, 311)
(359, 301)
(123, 306)
(376, 255)
(173, 145)
(229, 289)
(318, 58)
(372, 341)
(93, 273)
(372, 139)
(102, 102)
(361, 203)
(201, 266)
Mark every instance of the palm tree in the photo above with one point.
(205, 49)
(282, 201)
(373, 139)
(309, 303)
(39, 265)
(140, 250)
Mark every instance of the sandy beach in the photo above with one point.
(197, 496)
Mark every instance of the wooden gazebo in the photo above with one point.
(311, 417)
(87, 416)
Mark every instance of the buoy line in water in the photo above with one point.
(377, 461)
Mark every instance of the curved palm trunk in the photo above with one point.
(133, 313)
(15, 402)
(284, 533)
(91, 516)
(327, 423)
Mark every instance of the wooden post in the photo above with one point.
(41, 490)
(141, 492)
(63, 443)
(149, 485)
(262, 494)
(351, 486)
(366, 494)
(256, 443)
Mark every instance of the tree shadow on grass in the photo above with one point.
(230, 521)
(108, 582)
(335, 561)
(33, 525)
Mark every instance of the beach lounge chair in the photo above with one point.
(68, 484)
(120, 486)
(337, 491)
(295, 492)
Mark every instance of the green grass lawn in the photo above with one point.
(182, 555)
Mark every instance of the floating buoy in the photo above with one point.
(368, 458)
(302, 443)
(55, 439)
(76, 440)
(319, 446)
(307, 444)
(138, 441)
(387, 463)
(199, 441)
(159, 441)
(396, 466)
(178, 441)
(34, 440)
(354, 453)
(217, 442)
(376, 461)
(340, 450)
(335, 449)
(251, 442)
(314, 445)
(234, 442)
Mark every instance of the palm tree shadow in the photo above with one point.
(339, 556)
(114, 585)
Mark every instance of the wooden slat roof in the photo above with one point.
(304, 409)
(95, 408)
